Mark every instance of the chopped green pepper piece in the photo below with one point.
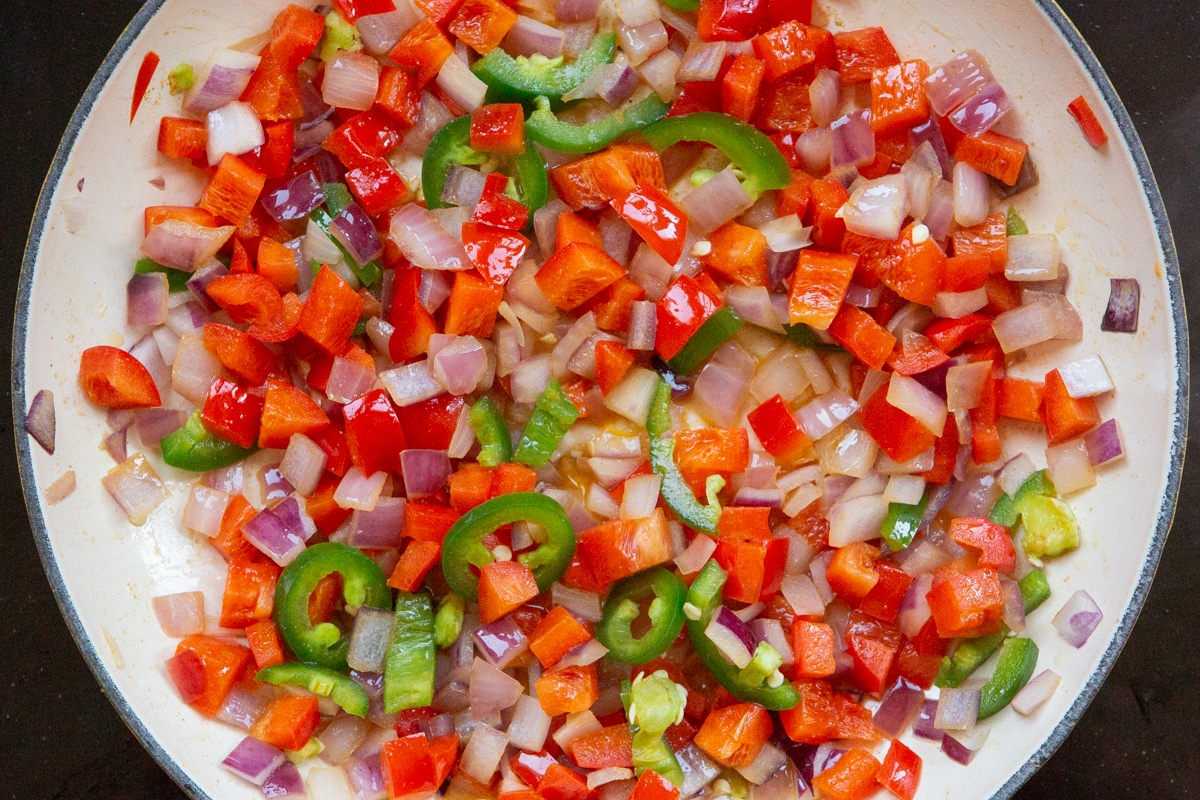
(683, 5)
(805, 336)
(321, 681)
(675, 490)
(553, 415)
(654, 703)
(1018, 658)
(337, 197)
(452, 145)
(563, 137)
(312, 748)
(363, 584)
(705, 595)
(193, 448)
(747, 147)
(448, 622)
(523, 80)
(970, 654)
(492, 432)
(1013, 224)
(408, 673)
(715, 331)
(762, 665)
(1007, 510)
(1050, 527)
(176, 278)
(902, 523)
(463, 546)
(368, 274)
(339, 35)
(623, 607)
(181, 78)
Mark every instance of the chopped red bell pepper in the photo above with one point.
(777, 429)
(993, 541)
(424, 48)
(232, 413)
(861, 52)
(900, 772)
(794, 46)
(896, 432)
(498, 209)
(681, 311)
(828, 197)
(898, 98)
(1093, 131)
(732, 20)
(576, 274)
(288, 410)
(482, 24)
(884, 599)
(376, 186)
(950, 334)
(851, 573)
(498, 128)
(652, 786)
(851, 778)
(858, 332)
(330, 312)
(967, 604)
(374, 433)
(755, 568)
(741, 87)
(1066, 416)
(399, 95)
(430, 424)
(495, 252)
(813, 720)
(249, 594)
(353, 9)
(364, 138)
(621, 547)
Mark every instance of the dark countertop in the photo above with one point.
(60, 738)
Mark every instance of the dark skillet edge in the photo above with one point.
(24, 455)
(1166, 510)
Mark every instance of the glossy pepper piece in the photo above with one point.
(463, 546)
(901, 524)
(653, 703)
(194, 449)
(675, 490)
(363, 584)
(705, 595)
(553, 415)
(408, 672)
(492, 432)
(548, 130)
(1018, 658)
(452, 145)
(623, 606)
(715, 331)
(523, 79)
(322, 682)
(749, 149)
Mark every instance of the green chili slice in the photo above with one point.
(492, 432)
(675, 490)
(452, 145)
(548, 130)
(523, 79)
(1018, 658)
(748, 148)
(194, 449)
(623, 607)
(553, 415)
(321, 681)
(408, 672)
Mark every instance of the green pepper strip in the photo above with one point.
(492, 432)
(675, 490)
(1014, 668)
(749, 150)
(522, 80)
(368, 273)
(623, 606)
(969, 655)
(705, 594)
(322, 682)
(363, 584)
(408, 672)
(715, 331)
(563, 137)
(452, 145)
(902, 523)
(553, 415)
(463, 546)
(177, 279)
(193, 448)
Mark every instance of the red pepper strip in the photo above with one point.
(145, 73)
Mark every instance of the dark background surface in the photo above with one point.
(60, 738)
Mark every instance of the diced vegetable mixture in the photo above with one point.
(603, 399)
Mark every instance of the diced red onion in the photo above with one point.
(380, 526)
(572, 340)
(964, 385)
(696, 555)
(643, 322)
(771, 631)
(1087, 377)
(702, 61)
(1124, 298)
(234, 128)
(899, 708)
(39, 420)
(815, 148)
(584, 605)
(1078, 618)
(852, 143)
(982, 110)
(957, 709)
(303, 463)
(366, 778)
(188, 318)
(578, 36)
(425, 472)
(146, 299)
(423, 240)
(821, 415)
(568, 11)
(529, 726)
(358, 491)
(1036, 692)
(574, 726)
(530, 378)
(618, 82)
(589, 652)
(253, 760)
(348, 380)
(501, 641)
(205, 274)
(641, 496)
(1013, 614)
(491, 690)
(354, 231)
(785, 234)
(1069, 466)
(747, 496)
(271, 535)
(825, 95)
(1025, 326)
(941, 211)
(431, 119)
(637, 12)
(731, 636)
(1104, 443)
(956, 305)
(914, 609)
(460, 84)
(328, 783)
(642, 41)
(351, 81)
(411, 383)
(545, 223)
(180, 614)
(923, 725)
(460, 365)
(714, 387)
(877, 208)
(857, 519)
(957, 751)
(753, 304)
(1032, 257)
(529, 37)
(380, 32)
(369, 639)
(434, 289)
(483, 752)
(464, 187)
(294, 199)
(242, 707)
(958, 79)
(204, 509)
(972, 200)
(659, 72)
(284, 781)
(184, 245)
(221, 80)
(136, 487)
(921, 558)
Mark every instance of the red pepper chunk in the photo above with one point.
(232, 413)
(204, 669)
(851, 778)
(755, 568)
(740, 88)
(1093, 131)
(818, 287)
(967, 604)
(993, 541)
(655, 218)
(680, 312)
(249, 595)
(621, 547)
(794, 46)
(374, 433)
(150, 63)
(897, 433)
(363, 138)
(884, 599)
(576, 274)
(288, 410)
(399, 95)
(498, 209)
(495, 252)
(900, 773)
(813, 720)
(732, 20)
(112, 378)
(483, 24)
(430, 424)
(777, 430)
(861, 52)
(498, 128)
(414, 766)
(376, 186)
(330, 312)
(898, 98)
(652, 786)
(353, 9)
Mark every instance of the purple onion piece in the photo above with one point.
(981, 111)
(1104, 444)
(1078, 618)
(354, 231)
(898, 709)
(153, 424)
(932, 133)
(853, 141)
(285, 781)
(253, 760)
(501, 641)
(1124, 300)
(923, 725)
(380, 527)
(39, 420)
(274, 537)
(198, 284)
(146, 299)
(114, 445)
(289, 512)
(956, 750)
(294, 199)
(425, 471)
